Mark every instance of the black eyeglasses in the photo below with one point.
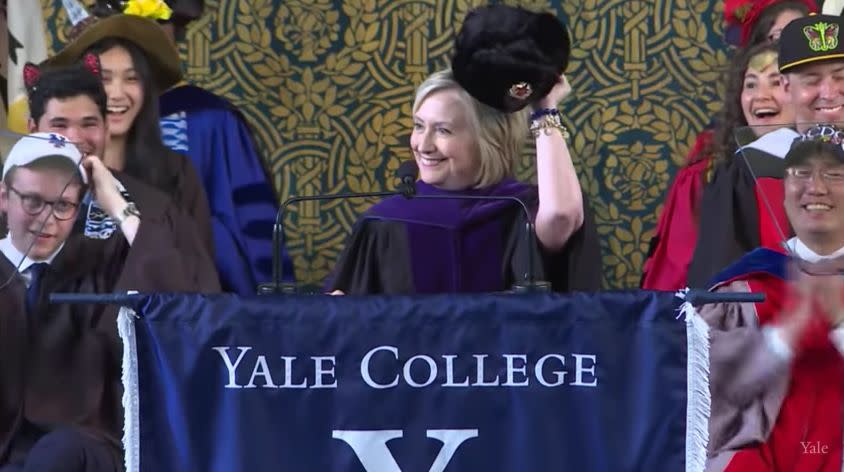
(803, 174)
(34, 205)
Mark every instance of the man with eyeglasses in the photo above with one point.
(60, 377)
(777, 369)
(72, 101)
(44, 179)
(40, 198)
(60, 374)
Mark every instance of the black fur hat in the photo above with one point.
(508, 57)
(185, 11)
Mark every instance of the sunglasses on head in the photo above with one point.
(826, 134)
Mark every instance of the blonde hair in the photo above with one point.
(500, 136)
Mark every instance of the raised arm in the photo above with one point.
(106, 193)
(560, 211)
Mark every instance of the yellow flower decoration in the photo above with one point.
(152, 9)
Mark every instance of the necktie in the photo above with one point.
(36, 271)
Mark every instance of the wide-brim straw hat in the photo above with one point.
(142, 32)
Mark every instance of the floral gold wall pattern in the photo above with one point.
(327, 85)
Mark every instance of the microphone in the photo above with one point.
(276, 286)
(408, 172)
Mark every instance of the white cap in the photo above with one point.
(35, 146)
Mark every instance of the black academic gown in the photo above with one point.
(60, 365)
(739, 213)
(186, 194)
(405, 246)
(181, 228)
(189, 195)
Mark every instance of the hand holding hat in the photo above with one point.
(103, 187)
(558, 93)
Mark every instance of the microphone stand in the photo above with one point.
(276, 286)
(530, 284)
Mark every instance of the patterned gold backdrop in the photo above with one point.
(328, 84)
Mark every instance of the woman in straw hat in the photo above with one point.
(138, 61)
(470, 127)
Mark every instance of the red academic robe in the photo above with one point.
(740, 210)
(806, 430)
(676, 233)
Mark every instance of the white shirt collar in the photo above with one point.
(809, 255)
(797, 246)
(776, 142)
(14, 256)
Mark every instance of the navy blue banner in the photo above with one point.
(592, 382)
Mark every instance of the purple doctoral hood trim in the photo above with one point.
(453, 213)
(456, 245)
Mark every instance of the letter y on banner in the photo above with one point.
(371, 447)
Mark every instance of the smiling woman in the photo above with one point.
(753, 134)
(132, 113)
(456, 142)
(443, 141)
(764, 101)
(138, 61)
(123, 87)
(463, 233)
(754, 94)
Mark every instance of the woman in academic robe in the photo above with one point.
(60, 365)
(138, 62)
(755, 105)
(749, 23)
(743, 201)
(470, 123)
(71, 101)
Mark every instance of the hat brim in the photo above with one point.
(144, 33)
(83, 175)
(810, 60)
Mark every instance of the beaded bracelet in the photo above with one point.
(548, 122)
(537, 114)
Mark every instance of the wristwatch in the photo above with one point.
(129, 210)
